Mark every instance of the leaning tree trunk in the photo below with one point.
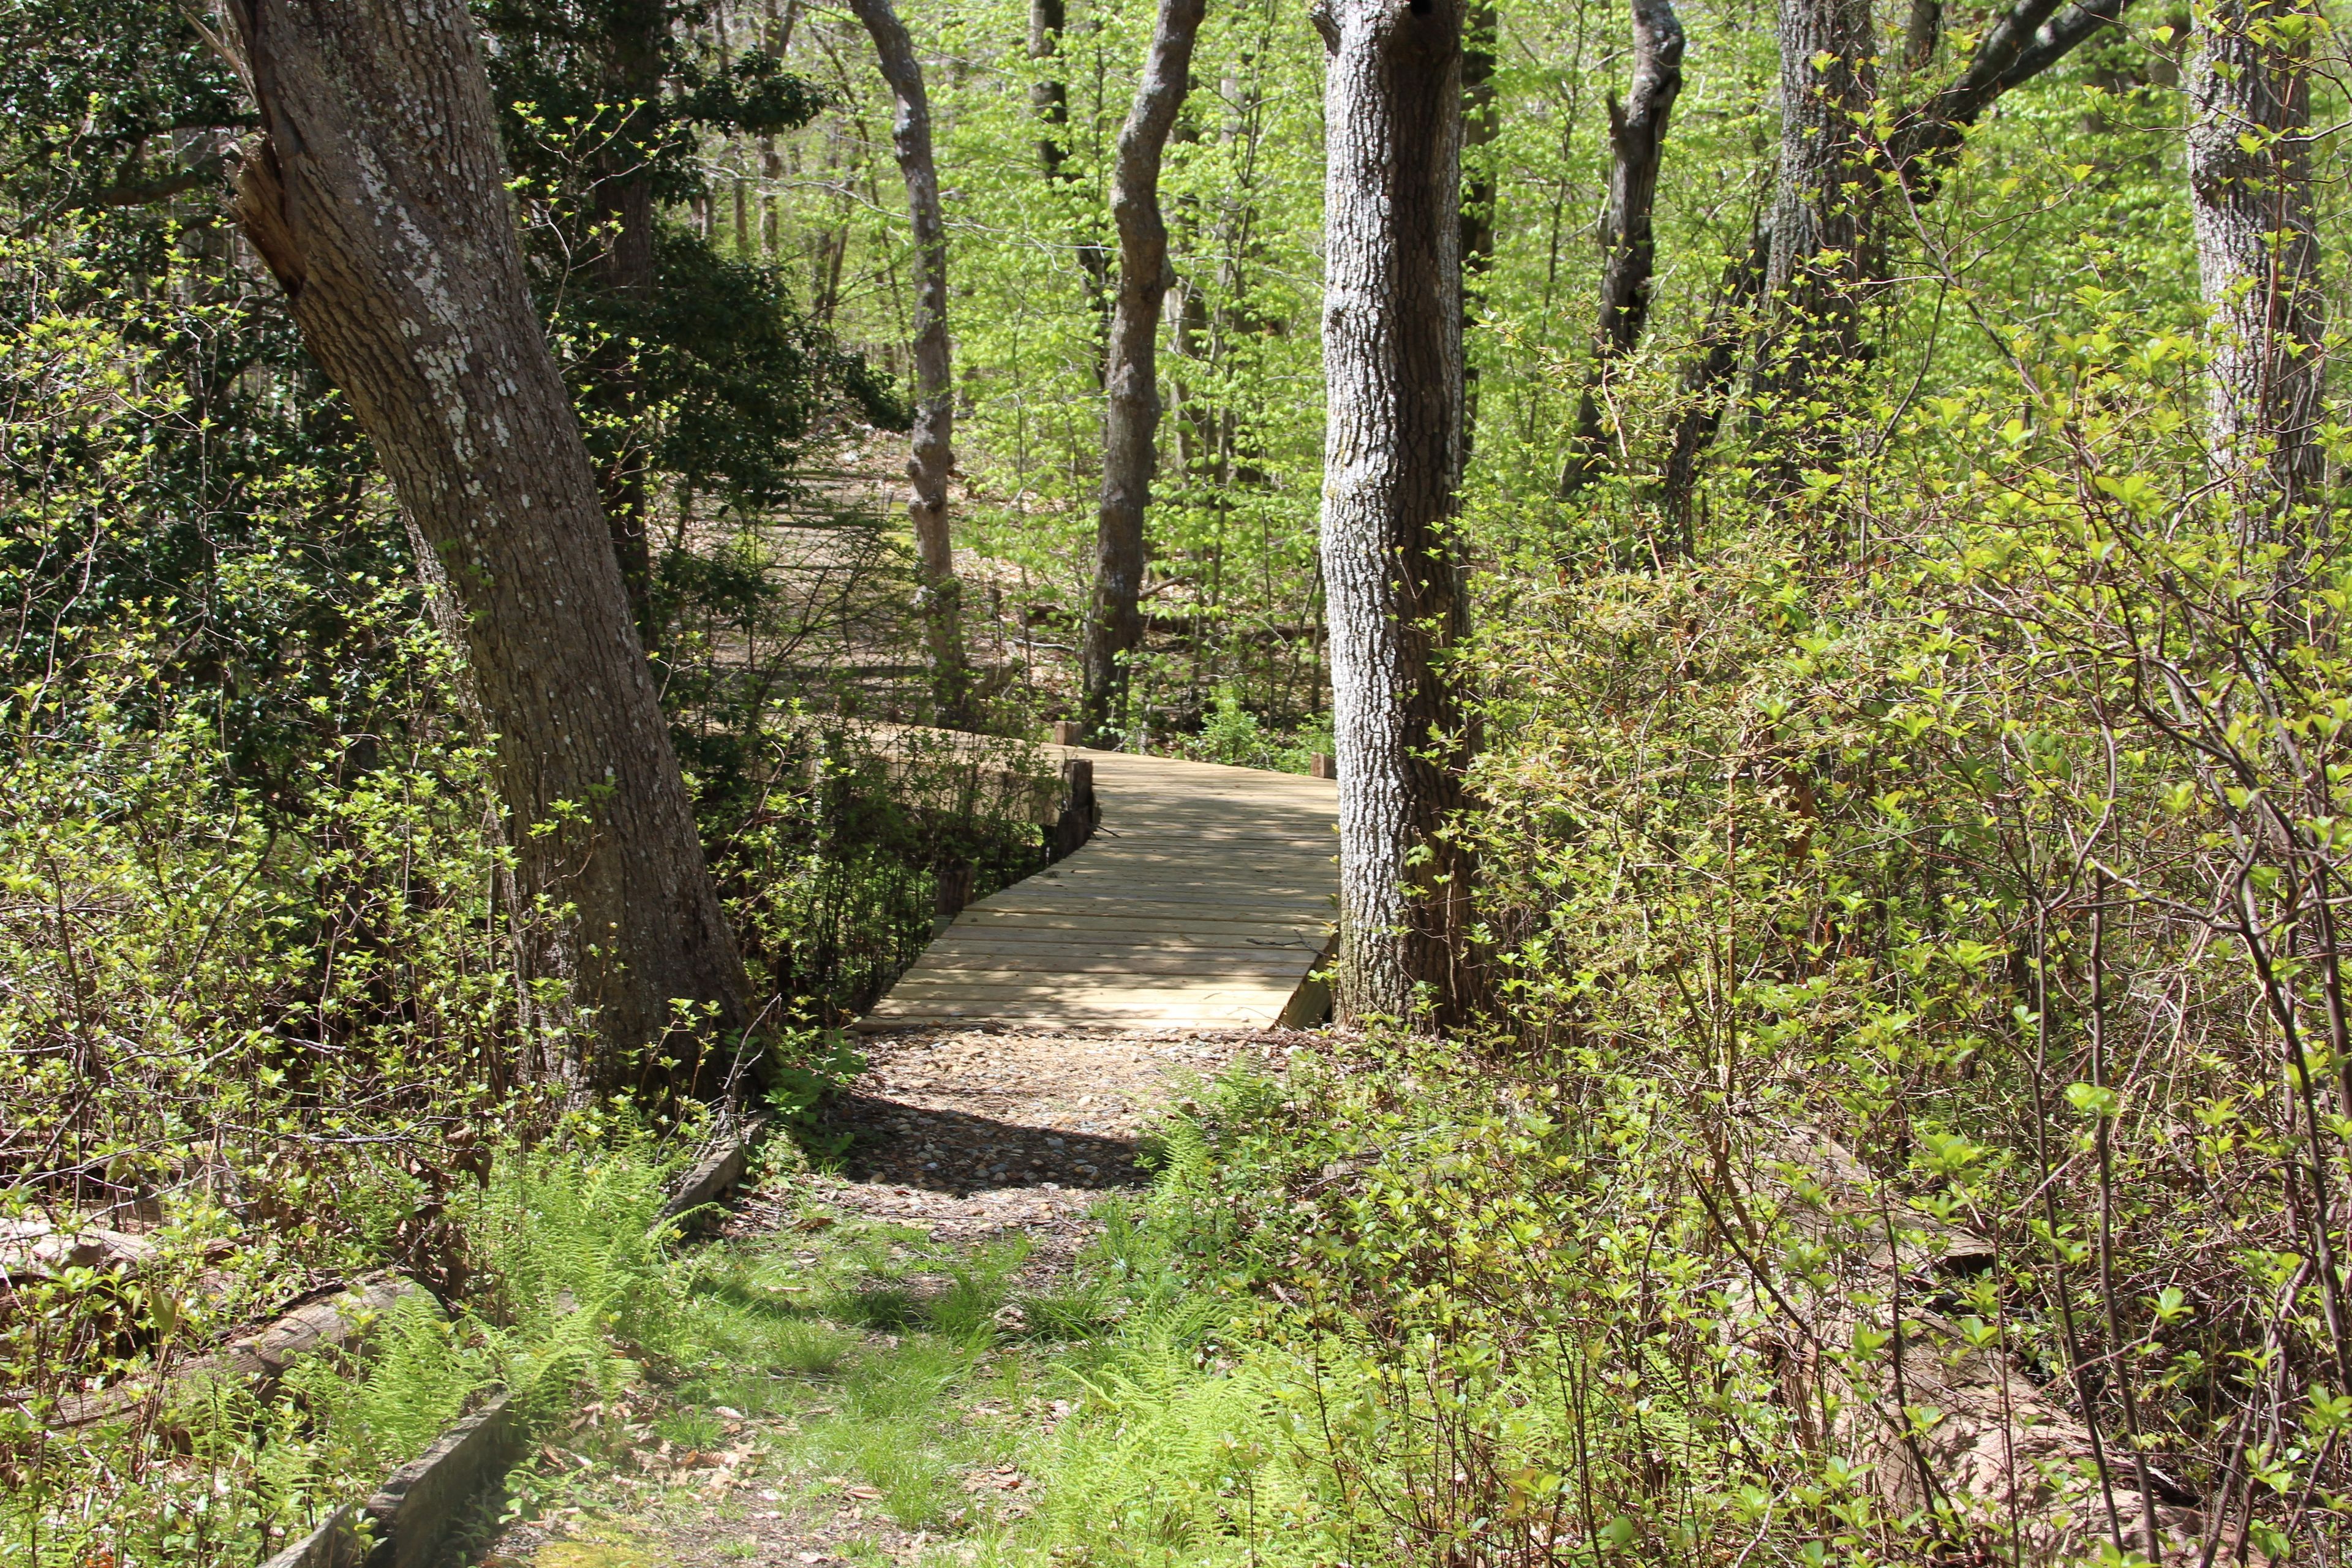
(910, 133)
(1114, 628)
(1391, 464)
(1637, 140)
(377, 195)
(2258, 256)
(2025, 41)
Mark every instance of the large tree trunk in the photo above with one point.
(1812, 276)
(910, 134)
(1637, 140)
(1391, 465)
(2025, 41)
(1114, 630)
(2258, 256)
(378, 197)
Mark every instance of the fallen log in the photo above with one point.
(258, 1361)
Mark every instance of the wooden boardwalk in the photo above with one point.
(1201, 902)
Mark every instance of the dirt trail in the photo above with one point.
(965, 1136)
(975, 1133)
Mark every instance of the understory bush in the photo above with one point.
(1946, 867)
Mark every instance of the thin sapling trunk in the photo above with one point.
(932, 458)
(1113, 626)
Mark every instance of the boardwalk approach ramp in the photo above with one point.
(1203, 900)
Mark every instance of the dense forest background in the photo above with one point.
(1896, 822)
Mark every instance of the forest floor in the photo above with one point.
(869, 1349)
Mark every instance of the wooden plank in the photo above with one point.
(1104, 958)
(418, 1505)
(1046, 942)
(1200, 905)
(1105, 961)
(1262, 1005)
(1178, 902)
(1117, 1020)
(976, 917)
(1257, 969)
(1203, 902)
(1131, 988)
(1252, 878)
(1229, 865)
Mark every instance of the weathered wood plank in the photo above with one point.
(1222, 960)
(1204, 900)
(1142, 920)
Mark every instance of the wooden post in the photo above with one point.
(1067, 731)
(1322, 766)
(1081, 812)
(950, 891)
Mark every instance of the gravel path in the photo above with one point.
(972, 1133)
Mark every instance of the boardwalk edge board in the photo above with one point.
(413, 1512)
(715, 1173)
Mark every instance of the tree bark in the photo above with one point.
(927, 466)
(1130, 420)
(1812, 276)
(1922, 31)
(1049, 100)
(2027, 40)
(1637, 140)
(1480, 126)
(636, 34)
(1049, 96)
(378, 197)
(777, 38)
(2258, 258)
(1392, 464)
(634, 37)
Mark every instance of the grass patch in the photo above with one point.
(857, 1365)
